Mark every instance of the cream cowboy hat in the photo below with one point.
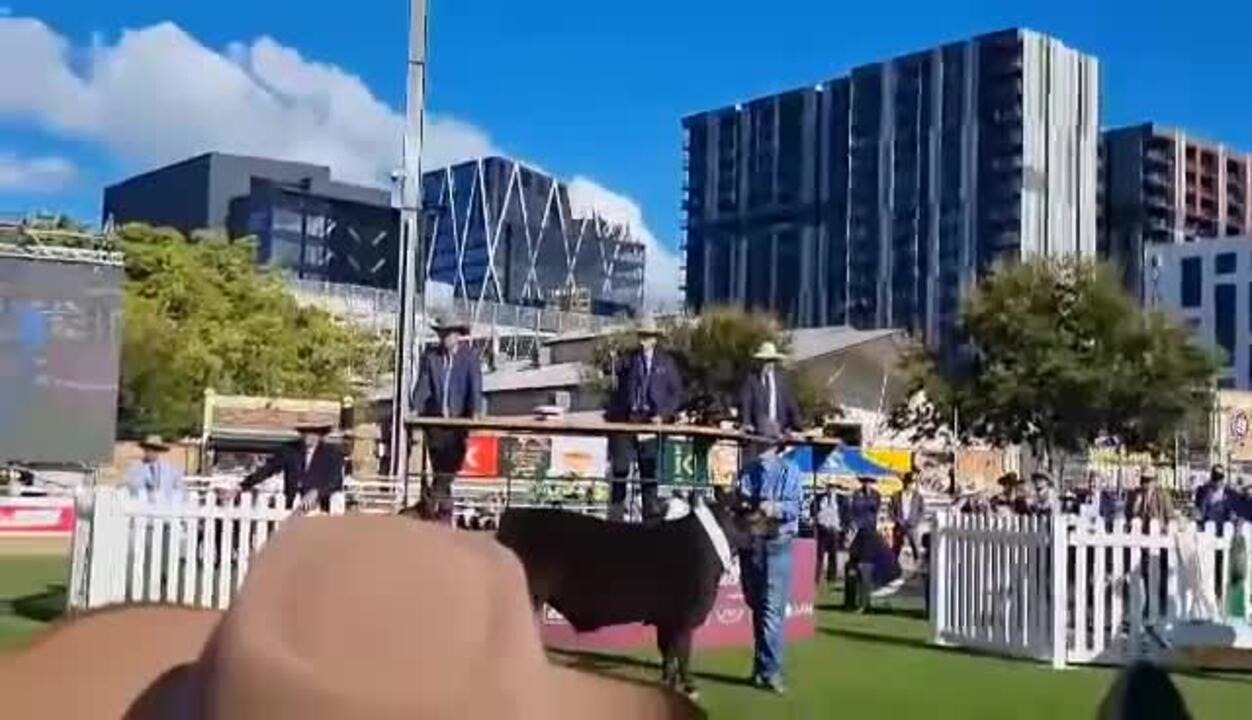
(154, 442)
(446, 322)
(648, 326)
(768, 351)
(340, 617)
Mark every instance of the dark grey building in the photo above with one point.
(303, 221)
(1162, 186)
(495, 230)
(877, 199)
(504, 232)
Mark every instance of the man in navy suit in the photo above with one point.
(647, 388)
(312, 469)
(766, 404)
(450, 385)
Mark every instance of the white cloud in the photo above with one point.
(158, 95)
(35, 174)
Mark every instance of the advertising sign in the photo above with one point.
(482, 457)
(729, 623)
(1236, 420)
(678, 462)
(578, 457)
(526, 456)
(36, 517)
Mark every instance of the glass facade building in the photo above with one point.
(499, 231)
(877, 199)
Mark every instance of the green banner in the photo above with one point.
(684, 462)
(526, 456)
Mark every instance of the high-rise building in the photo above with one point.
(877, 199)
(1207, 286)
(1160, 185)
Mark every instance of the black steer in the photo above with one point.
(598, 573)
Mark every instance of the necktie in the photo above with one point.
(773, 396)
(154, 480)
(447, 381)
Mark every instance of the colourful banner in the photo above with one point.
(482, 457)
(1236, 421)
(36, 517)
(678, 462)
(526, 456)
(729, 623)
(578, 457)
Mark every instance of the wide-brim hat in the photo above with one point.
(867, 479)
(154, 442)
(768, 351)
(424, 601)
(447, 322)
(320, 427)
(649, 327)
(1009, 480)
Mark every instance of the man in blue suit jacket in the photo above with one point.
(648, 387)
(766, 403)
(450, 385)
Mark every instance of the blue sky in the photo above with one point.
(591, 90)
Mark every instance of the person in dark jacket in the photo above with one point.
(864, 506)
(449, 385)
(648, 388)
(1215, 501)
(766, 404)
(312, 469)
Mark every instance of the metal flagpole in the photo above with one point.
(410, 244)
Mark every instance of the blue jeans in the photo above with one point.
(765, 571)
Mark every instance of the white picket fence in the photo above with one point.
(1116, 591)
(131, 548)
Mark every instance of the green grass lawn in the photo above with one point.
(857, 666)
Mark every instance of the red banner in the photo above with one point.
(729, 624)
(482, 457)
(36, 517)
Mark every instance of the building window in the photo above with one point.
(1227, 263)
(1226, 383)
(1224, 318)
(1192, 282)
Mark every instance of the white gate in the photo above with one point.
(129, 548)
(993, 584)
(1121, 588)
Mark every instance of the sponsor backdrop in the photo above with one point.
(36, 517)
(729, 624)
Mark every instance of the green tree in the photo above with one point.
(1062, 356)
(714, 352)
(199, 314)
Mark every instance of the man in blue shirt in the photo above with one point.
(154, 476)
(771, 486)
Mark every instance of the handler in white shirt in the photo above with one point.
(155, 476)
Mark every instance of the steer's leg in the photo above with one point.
(683, 650)
(666, 644)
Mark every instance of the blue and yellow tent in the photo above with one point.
(845, 465)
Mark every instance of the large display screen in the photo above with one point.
(60, 338)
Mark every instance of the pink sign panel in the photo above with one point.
(729, 624)
(36, 517)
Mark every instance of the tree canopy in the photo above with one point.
(714, 352)
(1062, 356)
(200, 314)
